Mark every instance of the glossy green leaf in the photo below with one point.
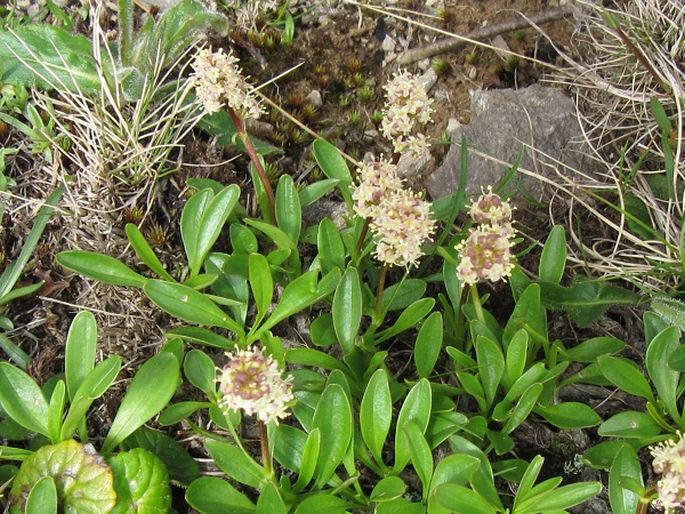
(243, 239)
(22, 399)
(522, 408)
(310, 456)
(388, 489)
(334, 167)
(141, 482)
(288, 209)
(569, 415)
(528, 480)
(236, 464)
(428, 345)
(458, 498)
(177, 412)
(629, 424)
(94, 385)
(625, 375)
(408, 318)
(421, 454)
(312, 192)
(43, 497)
(56, 411)
(490, 367)
(311, 357)
(375, 413)
(403, 294)
(330, 246)
(270, 501)
(181, 466)
(211, 495)
(319, 503)
(83, 481)
(100, 267)
(517, 354)
(333, 418)
(625, 464)
(145, 252)
(528, 314)
(261, 284)
(664, 378)
(562, 498)
(416, 407)
(189, 305)
(200, 371)
(347, 309)
(601, 455)
(553, 258)
(79, 350)
(148, 393)
(321, 330)
(202, 336)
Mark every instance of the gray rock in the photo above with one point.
(502, 121)
(314, 98)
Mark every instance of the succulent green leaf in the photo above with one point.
(83, 480)
(22, 399)
(141, 482)
(375, 414)
(79, 350)
(211, 495)
(100, 267)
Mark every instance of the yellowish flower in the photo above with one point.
(669, 462)
(377, 179)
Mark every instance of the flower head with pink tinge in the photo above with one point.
(669, 462)
(485, 255)
(490, 208)
(377, 179)
(251, 382)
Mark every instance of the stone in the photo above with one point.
(314, 98)
(502, 122)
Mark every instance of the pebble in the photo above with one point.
(314, 98)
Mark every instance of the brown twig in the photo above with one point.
(452, 43)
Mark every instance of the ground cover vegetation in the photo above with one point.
(216, 299)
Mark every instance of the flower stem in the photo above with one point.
(475, 297)
(264, 445)
(362, 236)
(254, 158)
(380, 287)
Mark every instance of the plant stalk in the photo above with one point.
(264, 445)
(475, 297)
(254, 158)
(380, 287)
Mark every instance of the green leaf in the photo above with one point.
(79, 350)
(312, 192)
(410, 317)
(458, 498)
(324, 502)
(334, 167)
(625, 375)
(387, 489)
(626, 463)
(417, 407)
(43, 497)
(589, 350)
(261, 284)
(321, 330)
(421, 454)
(401, 295)
(553, 258)
(333, 418)
(670, 310)
(202, 219)
(243, 239)
(490, 367)
(56, 411)
(270, 501)
(181, 466)
(586, 301)
(148, 393)
(211, 495)
(220, 126)
(517, 354)
(528, 314)
(375, 413)
(94, 385)
(48, 57)
(528, 480)
(428, 345)
(200, 371)
(664, 378)
(310, 456)
(202, 336)
(236, 464)
(629, 425)
(569, 415)
(330, 246)
(100, 267)
(189, 305)
(145, 252)
(315, 358)
(288, 210)
(347, 309)
(22, 399)
(177, 412)
(141, 482)
(83, 481)
(522, 408)
(562, 498)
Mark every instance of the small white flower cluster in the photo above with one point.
(219, 83)
(400, 219)
(252, 382)
(247, 11)
(669, 462)
(407, 106)
(486, 253)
